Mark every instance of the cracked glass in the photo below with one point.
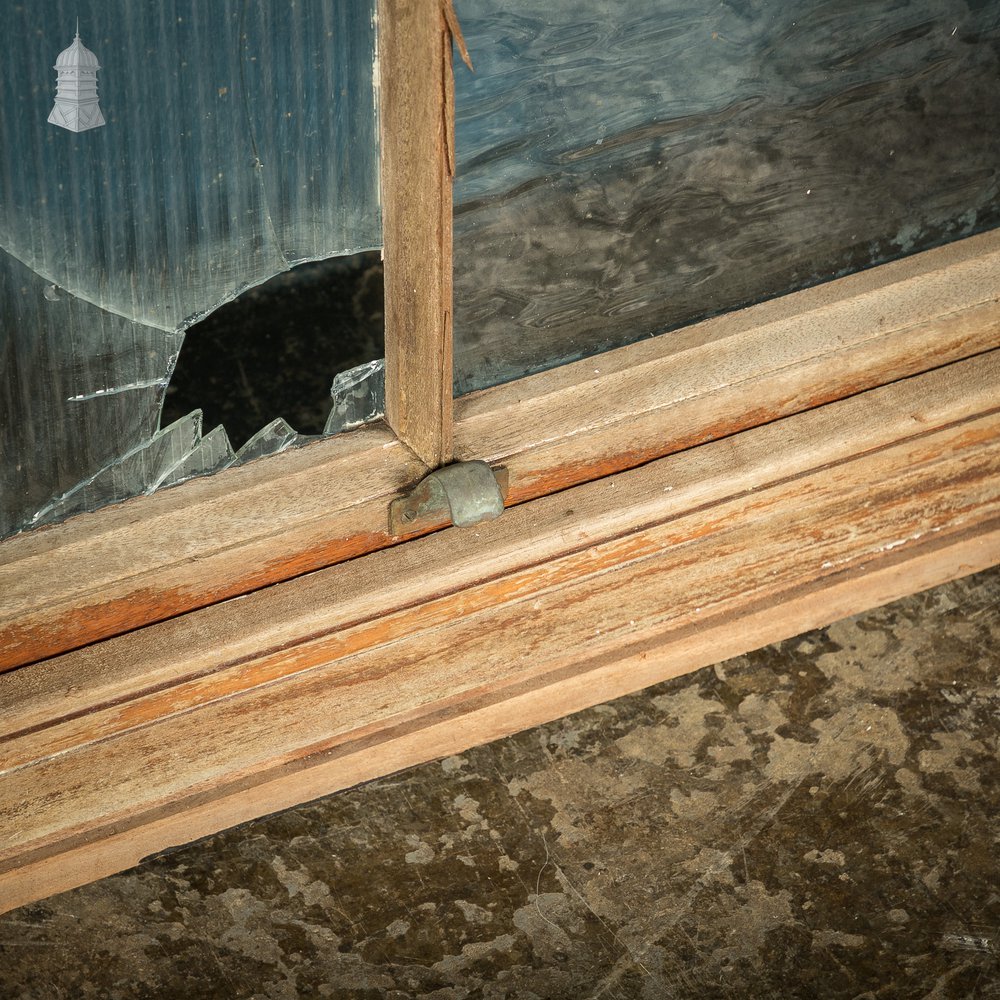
(158, 159)
(626, 169)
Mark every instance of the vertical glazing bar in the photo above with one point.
(416, 107)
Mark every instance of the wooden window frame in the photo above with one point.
(251, 640)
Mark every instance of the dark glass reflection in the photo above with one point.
(624, 169)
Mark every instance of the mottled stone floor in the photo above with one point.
(815, 819)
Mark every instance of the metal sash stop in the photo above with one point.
(464, 494)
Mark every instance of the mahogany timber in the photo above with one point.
(184, 727)
(155, 557)
(416, 101)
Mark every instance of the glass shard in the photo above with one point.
(212, 453)
(358, 397)
(269, 440)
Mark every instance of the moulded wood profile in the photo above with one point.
(418, 651)
(155, 557)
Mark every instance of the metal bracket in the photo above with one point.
(463, 494)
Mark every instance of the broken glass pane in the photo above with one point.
(625, 169)
(130, 475)
(271, 351)
(158, 158)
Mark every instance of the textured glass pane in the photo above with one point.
(217, 145)
(624, 169)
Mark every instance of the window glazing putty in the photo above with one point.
(628, 168)
(236, 140)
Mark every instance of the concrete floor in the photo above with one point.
(815, 819)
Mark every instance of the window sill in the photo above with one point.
(182, 728)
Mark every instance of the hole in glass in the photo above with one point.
(274, 350)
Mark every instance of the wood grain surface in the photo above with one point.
(417, 112)
(105, 573)
(184, 727)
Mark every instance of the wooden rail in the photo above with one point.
(184, 727)
(152, 558)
